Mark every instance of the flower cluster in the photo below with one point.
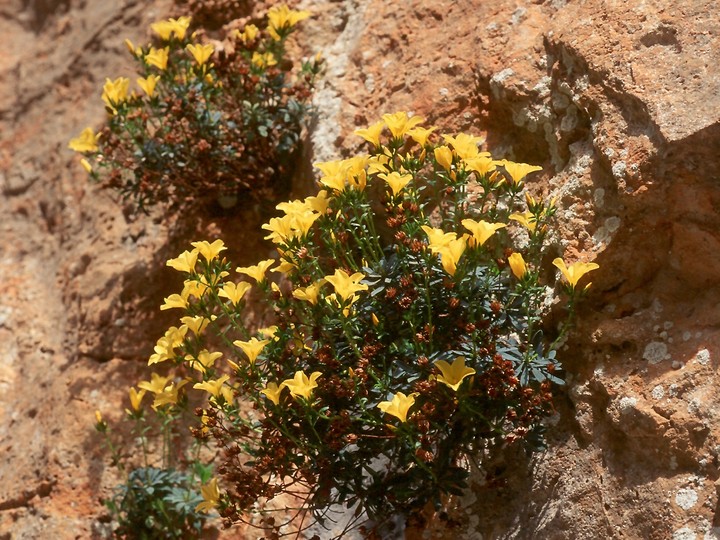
(406, 335)
(203, 124)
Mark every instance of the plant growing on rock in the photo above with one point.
(158, 500)
(406, 336)
(203, 124)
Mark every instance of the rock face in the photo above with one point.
(619, 102)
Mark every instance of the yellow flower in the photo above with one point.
(318, 203)
(300, 385)
(162, 29)
(85, 142)
(185, 262)
(294, 225)
(234, 291)
(481, 164)
(292, 207)
(357, 179)
(400, 123)
(198, 286)
(281, 19)
(437, 238)
(339, 174)
(374, 319)
(334, 174)
(169, 395)
(263, 60)
(165, 29)
(272, 392)
(174, 301)
(166, 345)
(451, 253)
(180, 26)
(295, 207)
(86, 165)
(453, 375)
(517, 265)
(269, 332)
(156, 384)
(280, 230)
(518, 171)
(346, 286)
(136, 398)
(208, 250)
(356, 173)
(481, 230)
(211, 494)
(252, 348)
(192, 287)
(420, 134)
(115, 92)
(284, 267)
(303, 210)
(399, 405)
(301, 223)
(148, 84)
(130, 47)
(158, 57)
(447, 245)
(233, 365)
(444, 157)
(205, 359)
(309, 293)
(164, 393)
(257, 272)
(197, 324)
(248, 34)
(372, 133)
(213, 388)
(575, 271)
(175, 336)
(378, 164)
(396, 181)
(527, 219)
(201, 53)
(465, 146)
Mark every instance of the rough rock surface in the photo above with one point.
(619, 102)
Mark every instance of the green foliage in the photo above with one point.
(156, 504)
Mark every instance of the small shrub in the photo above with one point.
(407, 333)
(156, 501)
(203, 125)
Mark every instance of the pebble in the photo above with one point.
(686, 498)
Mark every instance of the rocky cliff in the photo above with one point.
(618, 101)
